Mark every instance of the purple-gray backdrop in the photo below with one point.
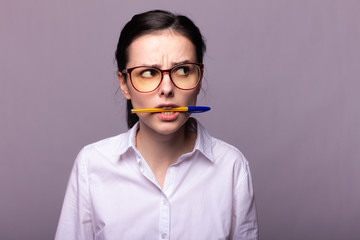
(282, 78)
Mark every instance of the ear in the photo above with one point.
(123, 86)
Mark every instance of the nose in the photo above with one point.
(166, 87)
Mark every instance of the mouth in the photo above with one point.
(168, 108)
(168, 113)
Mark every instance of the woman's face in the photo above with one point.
(163, 50)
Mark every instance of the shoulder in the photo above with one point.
(229, 161)
(219, 151)
(228, 157)
(107, 148)
(226, 151)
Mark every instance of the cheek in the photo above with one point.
(140, 100)
(192, 97)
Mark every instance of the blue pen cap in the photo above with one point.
(198, 109)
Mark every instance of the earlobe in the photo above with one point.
(123, 86)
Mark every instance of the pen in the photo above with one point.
(189, 109)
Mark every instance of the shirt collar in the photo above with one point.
(202, 143)
(128, 140)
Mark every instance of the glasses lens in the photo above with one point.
(145, 79)
(186, 76)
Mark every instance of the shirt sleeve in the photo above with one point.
(75, 219)
(244, 224)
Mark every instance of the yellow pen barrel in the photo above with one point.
(150, 110)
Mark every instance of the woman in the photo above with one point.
(166, 178)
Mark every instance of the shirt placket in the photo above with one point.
(165, 210)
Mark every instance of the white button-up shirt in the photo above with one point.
(113, 194)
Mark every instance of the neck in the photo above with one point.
(160, 151)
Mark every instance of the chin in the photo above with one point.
(166, 127)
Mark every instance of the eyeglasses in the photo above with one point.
(147, 79)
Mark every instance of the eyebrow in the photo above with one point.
(172, 64)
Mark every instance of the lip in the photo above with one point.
(167, 116)
(172, 116)
(167, 105)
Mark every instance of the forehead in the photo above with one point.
(161, 48)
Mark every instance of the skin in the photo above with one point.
(161, 141)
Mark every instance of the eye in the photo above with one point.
(149, 73)
(182, 71)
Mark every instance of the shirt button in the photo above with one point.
(142, 170)
(172, 171)
(164, 202)
(163, 235)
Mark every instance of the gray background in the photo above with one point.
(282, 78)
